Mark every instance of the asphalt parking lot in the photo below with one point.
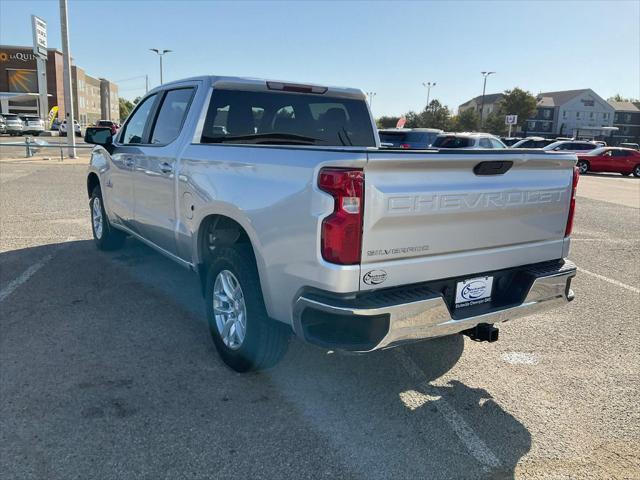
(107, 369)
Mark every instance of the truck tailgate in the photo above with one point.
(428, 215)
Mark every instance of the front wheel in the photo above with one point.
(244, 336)
(104, 235)
(583, 166)
(636, 171)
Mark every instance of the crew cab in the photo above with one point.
(280, 198)
(610, 159)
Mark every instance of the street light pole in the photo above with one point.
(484, 88)
(160, 53)
(428, 85)
(371, 95)
(66, 70)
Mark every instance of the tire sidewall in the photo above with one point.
(237, 262)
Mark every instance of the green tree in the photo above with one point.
(467, 121)
(515, 102)
(125, 108)
(414, 120)
(435, 115)
(387, 121)
(494, 123)
(619, 98)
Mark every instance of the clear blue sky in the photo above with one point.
(389, 48)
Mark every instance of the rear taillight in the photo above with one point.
(572, 204)
(341, 236)
(405, 145)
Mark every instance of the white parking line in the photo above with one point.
(465, 433)
(610, 280)
(29, 272)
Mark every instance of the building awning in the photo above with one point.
(19, 96)
(598, 129)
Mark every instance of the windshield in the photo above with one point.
(452, 141)
(280, 118)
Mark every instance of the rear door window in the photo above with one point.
(134, 131)
(283, 118)
(485, 143)
(171, 116)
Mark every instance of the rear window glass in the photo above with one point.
(395, 138)
(453, 142)
(280, 118)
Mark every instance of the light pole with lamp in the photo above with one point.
(371, 95)
(484, 88)
(428, 85)
(160, 53)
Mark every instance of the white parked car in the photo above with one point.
(467, 141)
(572, 146)
(32, 125)
(63, 128)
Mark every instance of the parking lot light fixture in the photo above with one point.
(428, 85)
(160, 53)
(370, 95)
(484, 89)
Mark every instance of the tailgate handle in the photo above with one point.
(492, 168)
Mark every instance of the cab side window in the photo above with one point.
(171, 115)
(484, 143)
(134, 130)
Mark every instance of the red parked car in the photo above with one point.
(108, 123)
(610, 159)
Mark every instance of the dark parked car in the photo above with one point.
(533, 142)
(408, 137)
(509, 141)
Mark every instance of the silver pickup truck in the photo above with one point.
(279, 197)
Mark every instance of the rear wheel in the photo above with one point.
(105, 236)
(245, 337)
(583, 166)
(636, 171)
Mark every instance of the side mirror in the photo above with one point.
(98, 136)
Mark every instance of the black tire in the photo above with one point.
(583, 166)
(265, 341)
(108, 238)
(636, 171)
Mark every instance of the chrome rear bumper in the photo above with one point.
(430, 317)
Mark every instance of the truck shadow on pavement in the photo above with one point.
(108, 370)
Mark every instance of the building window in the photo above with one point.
(564, 114)
(627, 118)
(605, 116)
(590, 114)
(577, 114)
(532, 126)
(547, 114)
(617, 117)
(545, 126)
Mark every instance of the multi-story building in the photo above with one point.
(571, 113)
(627, 120)
(93, 98)
(491, 102)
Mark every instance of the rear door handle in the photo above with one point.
(166, 168)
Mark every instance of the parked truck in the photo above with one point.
(278, 196)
